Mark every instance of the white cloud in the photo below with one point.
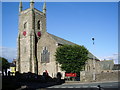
(8, 53)
(111, 57)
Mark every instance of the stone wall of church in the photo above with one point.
(92, 65)
(25, 17)
(24, 41)
(39, 16)
(90, 69)
(51, 67)
(25, 54)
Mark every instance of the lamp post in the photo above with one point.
(93, 61)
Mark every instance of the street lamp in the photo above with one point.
(93, 61)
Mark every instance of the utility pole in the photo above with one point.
(93, 61)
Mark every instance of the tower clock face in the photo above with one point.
(39, 34)
(24, 33)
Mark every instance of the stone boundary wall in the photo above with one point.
(108, 75)
(105, 75)
(86, 76)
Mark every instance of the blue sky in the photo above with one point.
(77, 22)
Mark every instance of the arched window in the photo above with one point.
(25, 25)
(38, 24)
(45, 56)
(88, 68)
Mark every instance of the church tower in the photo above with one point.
(32, 24)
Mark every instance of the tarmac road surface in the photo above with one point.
(88, 85)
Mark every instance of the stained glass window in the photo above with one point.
(45, 56)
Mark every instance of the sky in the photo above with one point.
(77, 22)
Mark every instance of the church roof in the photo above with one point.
(60, 40)
(63, 41)
(106, 64)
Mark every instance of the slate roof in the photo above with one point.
(63, 41)
(60, 40)
(107, 64)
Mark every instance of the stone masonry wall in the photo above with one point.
(47, 41)
(109, 75)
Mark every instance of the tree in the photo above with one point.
(5, 64)
(71, 58)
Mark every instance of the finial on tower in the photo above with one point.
(20, 6)
(32, 4)
(44, 8)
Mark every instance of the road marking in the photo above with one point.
(69, 87)
(73, 87)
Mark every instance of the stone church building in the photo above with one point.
(37, 47)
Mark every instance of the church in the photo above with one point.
(36, 47)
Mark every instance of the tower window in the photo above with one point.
(38, 24)
(45, 56)
(25, 25)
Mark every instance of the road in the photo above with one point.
(83, 86)
(88, 85)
